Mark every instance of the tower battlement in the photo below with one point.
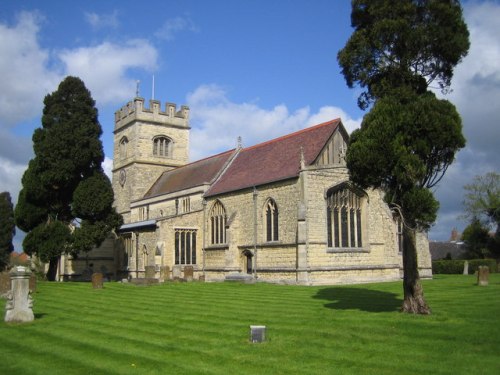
(135, 111)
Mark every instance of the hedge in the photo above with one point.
(457, 266)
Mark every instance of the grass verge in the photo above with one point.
(195, 328)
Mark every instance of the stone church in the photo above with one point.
(279, 211)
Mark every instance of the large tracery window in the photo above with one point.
(344, 218)
(162, 146)
(271, 221)
(218, 220)
(185, 246)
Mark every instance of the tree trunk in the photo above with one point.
(52, 271)
(414, 301)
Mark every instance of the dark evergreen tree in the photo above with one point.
(409, 138)
(65, 203)
(7, 229)
(477, 240)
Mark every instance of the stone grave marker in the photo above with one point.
(164, 273)
(176, 272)
(466, 268)
(188, 273)
(257, 333)
(150, 272)
(97, 280)
(32, 283)
(483, 275)
(19, 303)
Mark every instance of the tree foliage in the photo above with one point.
(482, 198)
(403, 43)
(7, 229)
(409, 138)
(65, 191)
(478, 242)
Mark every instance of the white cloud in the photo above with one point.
(26, 78)
(107, 165)
(217, 122)
(11, 177)
(99, 21)
(103, 67)
(476, 93)
(173, 26)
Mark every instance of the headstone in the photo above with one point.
(97, 280)
(176, 272)
(19, 303)
(466, 268)
(32, 283)
(150, 272)
(257, 333)
(164, 273)
(483, 275)
(4, 283)
(188, 273)
(201, 278)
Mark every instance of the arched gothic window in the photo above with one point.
(218, 220)
(271, 221)
(162, 146)
(344, 218)
(123, 145)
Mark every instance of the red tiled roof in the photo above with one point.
(275, 160)
(190, 175)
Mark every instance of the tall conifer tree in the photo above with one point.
(7, 229)
(65, 203)
(409, 138)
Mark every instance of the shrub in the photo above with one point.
(457, 266)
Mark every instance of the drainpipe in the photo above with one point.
(136, 255)
(204, 203)
(255, 193)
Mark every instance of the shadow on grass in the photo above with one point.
(342, 298)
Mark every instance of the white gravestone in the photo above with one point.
(19, 303)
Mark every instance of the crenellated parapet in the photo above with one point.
(136, 111)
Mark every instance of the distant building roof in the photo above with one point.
(275, 160)
(440, 250)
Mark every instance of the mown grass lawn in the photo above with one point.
(195, 328)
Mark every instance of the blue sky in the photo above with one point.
(255, 69)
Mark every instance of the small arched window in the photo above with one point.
(344, 217)
(218, 220)
(123, 147)
(271, 221)
(162, 146)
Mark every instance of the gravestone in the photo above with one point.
(150, 272)
(176, 272)
(483, 275)
(32, 283)
(188, 273)
(19, 303)
(201, 278)
(4, 283)
(257, 333)
(466, 268)
(97, 280)
(164, 273)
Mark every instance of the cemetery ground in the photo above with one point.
(203, 328)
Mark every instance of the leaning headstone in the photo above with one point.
(4, 283)
(483, 275)
(257, 333)
(188, 273)
(466, 268)
(97, 280)
(19, 303)
(150, 272)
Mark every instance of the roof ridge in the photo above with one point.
(304, 130)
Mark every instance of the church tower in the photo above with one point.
(147, 142)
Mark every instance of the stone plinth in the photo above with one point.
(19, 303)
(150, 272)
(164, 273)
